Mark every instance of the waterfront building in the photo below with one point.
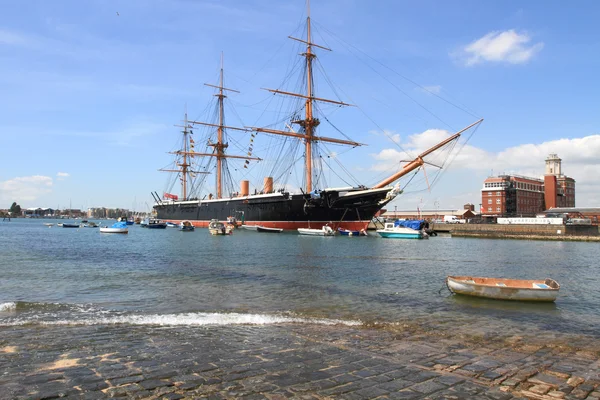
(466, 213)
(592, 213)
(38, 212)
(559, 189)
(102, 212)
(517, 195)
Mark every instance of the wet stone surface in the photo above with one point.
(280, 362)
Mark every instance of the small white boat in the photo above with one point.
(268, 230)
(49, 224)
(186, 226)
(250, 227)
(504, 289)
(117, 227)
(403, 230)
(172, 225)
(324, 231)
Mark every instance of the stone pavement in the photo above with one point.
(284, 361)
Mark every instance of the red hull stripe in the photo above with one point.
(292, 225)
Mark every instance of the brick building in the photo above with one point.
(560, 189)
(516, 195)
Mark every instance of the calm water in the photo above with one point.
(58, 275)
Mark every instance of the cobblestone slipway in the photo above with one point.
(286, 361)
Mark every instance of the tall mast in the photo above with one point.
(186, 159)
(184, 165)
(309, 122)
(220, 146)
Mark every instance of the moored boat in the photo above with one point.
(172, 225)
(324, 231)
(155, 224)
(268, 230)
(186, 226)
(250, 227)
(49, 224)
(117, 227)
(347, 232)
(218, 228)
(413, 229)
(70, 225)
(504, 289)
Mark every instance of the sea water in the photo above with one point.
(167, 277)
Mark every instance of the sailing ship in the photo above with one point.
(350, 208)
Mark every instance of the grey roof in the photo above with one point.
(583, 210)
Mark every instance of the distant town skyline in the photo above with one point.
(91, 96)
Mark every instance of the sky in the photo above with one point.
(92, 91)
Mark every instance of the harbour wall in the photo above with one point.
(518, 231)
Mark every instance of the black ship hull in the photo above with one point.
(349, 209)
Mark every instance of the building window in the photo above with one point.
(498, 209)
(497, 193)
(489, 201)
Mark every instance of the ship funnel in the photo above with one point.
(245, 188)
(268, 185)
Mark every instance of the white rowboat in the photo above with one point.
(504, 289)
(114, 230)
(324, 231)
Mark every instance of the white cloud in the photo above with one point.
(62, 175)
(126, 136)
(581, 161)
(11, 38)
(432, 89)
(508, 46)
(25, 189)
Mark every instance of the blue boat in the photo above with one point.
(404, 229)
(347, 232)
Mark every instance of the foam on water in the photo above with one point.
(9, 306)
(188, 319)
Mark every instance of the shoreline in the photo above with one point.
(292, 360)
(527, 237)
